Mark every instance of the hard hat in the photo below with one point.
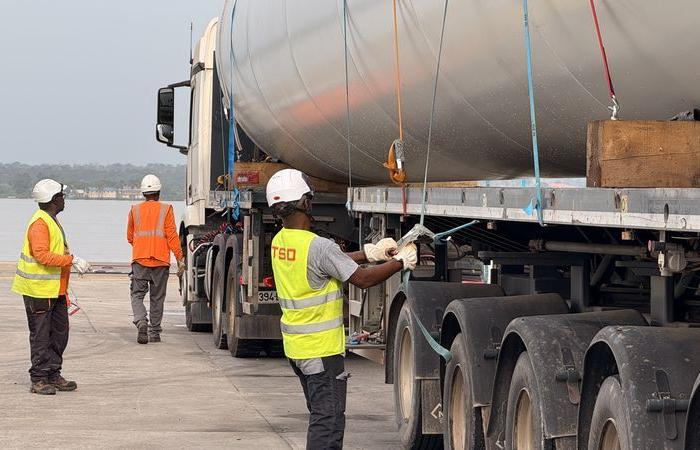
(287, 185)
(150, 183)
(45, 189)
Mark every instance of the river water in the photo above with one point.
(96, 229)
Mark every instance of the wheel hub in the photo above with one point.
(610, 439)
(458, 411)
(405, 374)
(523, 438)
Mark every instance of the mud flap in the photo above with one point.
(431, 406)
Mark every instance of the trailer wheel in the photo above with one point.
(239, 348)
(523, 416)
(407, 391)
(609, 430)
(462, 426)
(217, 302)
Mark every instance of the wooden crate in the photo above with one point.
(643, 153)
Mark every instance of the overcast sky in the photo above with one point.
(78, 78)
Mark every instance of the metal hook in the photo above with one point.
(615, 108)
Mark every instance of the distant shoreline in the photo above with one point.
(100, 199)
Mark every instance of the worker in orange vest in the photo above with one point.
(152, 234)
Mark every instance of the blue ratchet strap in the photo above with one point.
(455, 229)
(533, 122)
(235, 194)
(406, 275)
(435, 345)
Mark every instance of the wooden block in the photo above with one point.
(639, 153)
(257, 174)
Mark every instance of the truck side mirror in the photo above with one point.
(165, 121)
(166, 115)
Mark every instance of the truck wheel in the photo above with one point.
(462, 428)
(239, 348)
(609, 429)
(407, 392)
(189, 322)
(274, 348)
(217, 302)
(523, 416)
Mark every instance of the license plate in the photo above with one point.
(267, 296)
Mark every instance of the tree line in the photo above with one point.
(17, 179)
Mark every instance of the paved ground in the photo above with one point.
(180, 393)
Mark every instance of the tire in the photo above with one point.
(462, 426)
(239, 348)
(407, 393)
(218, 293)
(274, 348)
(610, 420)
(189, 322)
(523, 413)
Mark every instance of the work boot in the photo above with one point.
(41, 387)
(154, 338)
(61, 384)
(142, 337)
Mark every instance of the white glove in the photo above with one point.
(381, 251)
(80, 265)
(408, 255)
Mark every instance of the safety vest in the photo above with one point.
(149, 231)
(312, 319)
(33, 278)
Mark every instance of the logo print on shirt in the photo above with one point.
(284, 254)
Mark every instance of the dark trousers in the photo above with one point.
(154, 281)
(325, 394)
(48, 335)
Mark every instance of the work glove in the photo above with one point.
(180, 267)
(381, 251)
(80, 265)
(408, 255)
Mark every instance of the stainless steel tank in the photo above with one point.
(283, 61)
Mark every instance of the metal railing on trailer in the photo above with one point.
(640, 208)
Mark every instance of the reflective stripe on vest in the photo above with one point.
(289, 303)
(26, 258)
(312, 327)
(33, 278)
(160, 225)
(312, 319)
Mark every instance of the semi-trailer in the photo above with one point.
(570, 324)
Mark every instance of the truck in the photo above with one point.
(541, 315)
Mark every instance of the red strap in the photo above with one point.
(602, 50)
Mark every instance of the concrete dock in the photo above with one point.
(180, 393)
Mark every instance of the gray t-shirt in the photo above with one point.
(325, 261)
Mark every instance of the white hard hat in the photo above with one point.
(150, 183)
(45, 189)
(287, 185)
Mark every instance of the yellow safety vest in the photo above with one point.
(312, 319)
(35, 279)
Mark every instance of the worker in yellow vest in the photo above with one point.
(309, 274)
(42, 276)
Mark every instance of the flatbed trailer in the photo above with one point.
(580, 332)
(573, 330)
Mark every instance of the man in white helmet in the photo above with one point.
(153, 236)
(42, 277)
(309, 275)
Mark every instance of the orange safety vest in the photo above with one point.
(149, 231)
